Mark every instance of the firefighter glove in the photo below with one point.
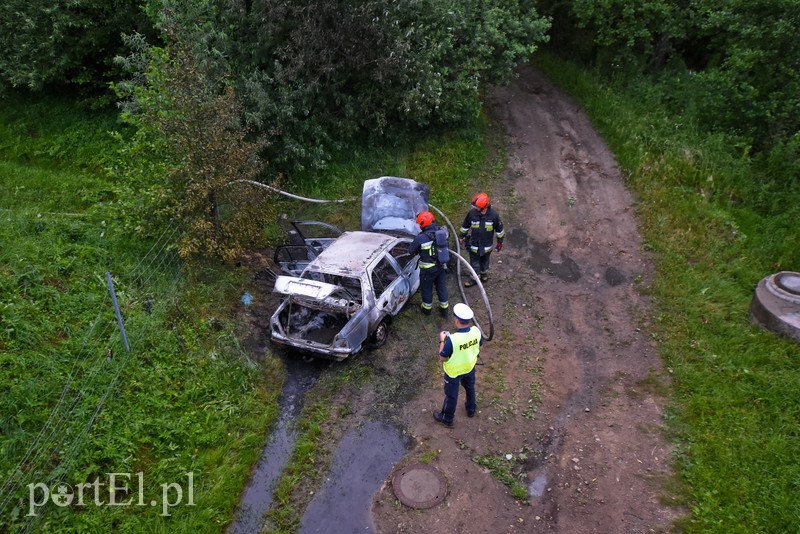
(499, 247)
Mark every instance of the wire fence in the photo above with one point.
(94, 375)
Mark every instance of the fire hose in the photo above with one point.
(456, 252)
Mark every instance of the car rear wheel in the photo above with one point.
(380, 335)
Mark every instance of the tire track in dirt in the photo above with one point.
(569, 294)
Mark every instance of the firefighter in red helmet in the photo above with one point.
(478, 231)
(432, 273)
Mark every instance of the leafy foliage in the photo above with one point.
(733, 63)
(188, 148)
(314, 74)
(65, 42)
(311, 76)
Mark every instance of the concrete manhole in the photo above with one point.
(419, 486)
(776, 304)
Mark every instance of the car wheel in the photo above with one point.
(380, 335)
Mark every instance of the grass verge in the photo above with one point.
(186, 399)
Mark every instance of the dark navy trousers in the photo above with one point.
(430, 278)
(480, 263)
(451, 387)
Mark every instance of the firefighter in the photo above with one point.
(477, 232)
(459, 354)
(431, 271)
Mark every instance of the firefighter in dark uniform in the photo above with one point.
(459, 354)
(482, 223)
(431, 272)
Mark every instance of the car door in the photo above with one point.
(408, 263)
(391, 286)
(294, 257)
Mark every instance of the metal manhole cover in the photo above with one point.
(419, 486)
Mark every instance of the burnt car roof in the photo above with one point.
(351, 253)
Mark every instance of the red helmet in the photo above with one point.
(480, 201)
(424, 218)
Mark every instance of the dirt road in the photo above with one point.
(570, 383)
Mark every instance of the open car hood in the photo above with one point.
(312, 291)
(391, 204)
(290, 285)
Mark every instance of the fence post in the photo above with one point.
(116, 310)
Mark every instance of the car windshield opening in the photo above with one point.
(350, 286)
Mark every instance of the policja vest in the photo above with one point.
(466, 346)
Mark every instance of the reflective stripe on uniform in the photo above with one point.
(427, 249)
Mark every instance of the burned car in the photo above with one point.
(352, 286)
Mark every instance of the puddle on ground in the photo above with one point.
(257, 496)
(363, 461)
(537, 487)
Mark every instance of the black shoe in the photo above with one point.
(470, 414)
(440, 419)
(484, 277)
(444, 312)
(424, 310)
(470, 282)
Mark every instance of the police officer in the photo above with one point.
(459, 354)
(431, 272)
(481, 223)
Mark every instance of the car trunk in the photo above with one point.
(310, 322)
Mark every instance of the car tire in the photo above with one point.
(380, 335)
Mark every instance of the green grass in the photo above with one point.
(192, 399)
(716, 225)
(507, 471)
(188, 398)
(56, 133)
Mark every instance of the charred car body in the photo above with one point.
(340, 294)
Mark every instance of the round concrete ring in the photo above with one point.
(776, 304)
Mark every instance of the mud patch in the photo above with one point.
(614, 277)
(538, 257)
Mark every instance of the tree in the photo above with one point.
(312, 75)
(188, 147)
(322, 71)
(738, 61)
